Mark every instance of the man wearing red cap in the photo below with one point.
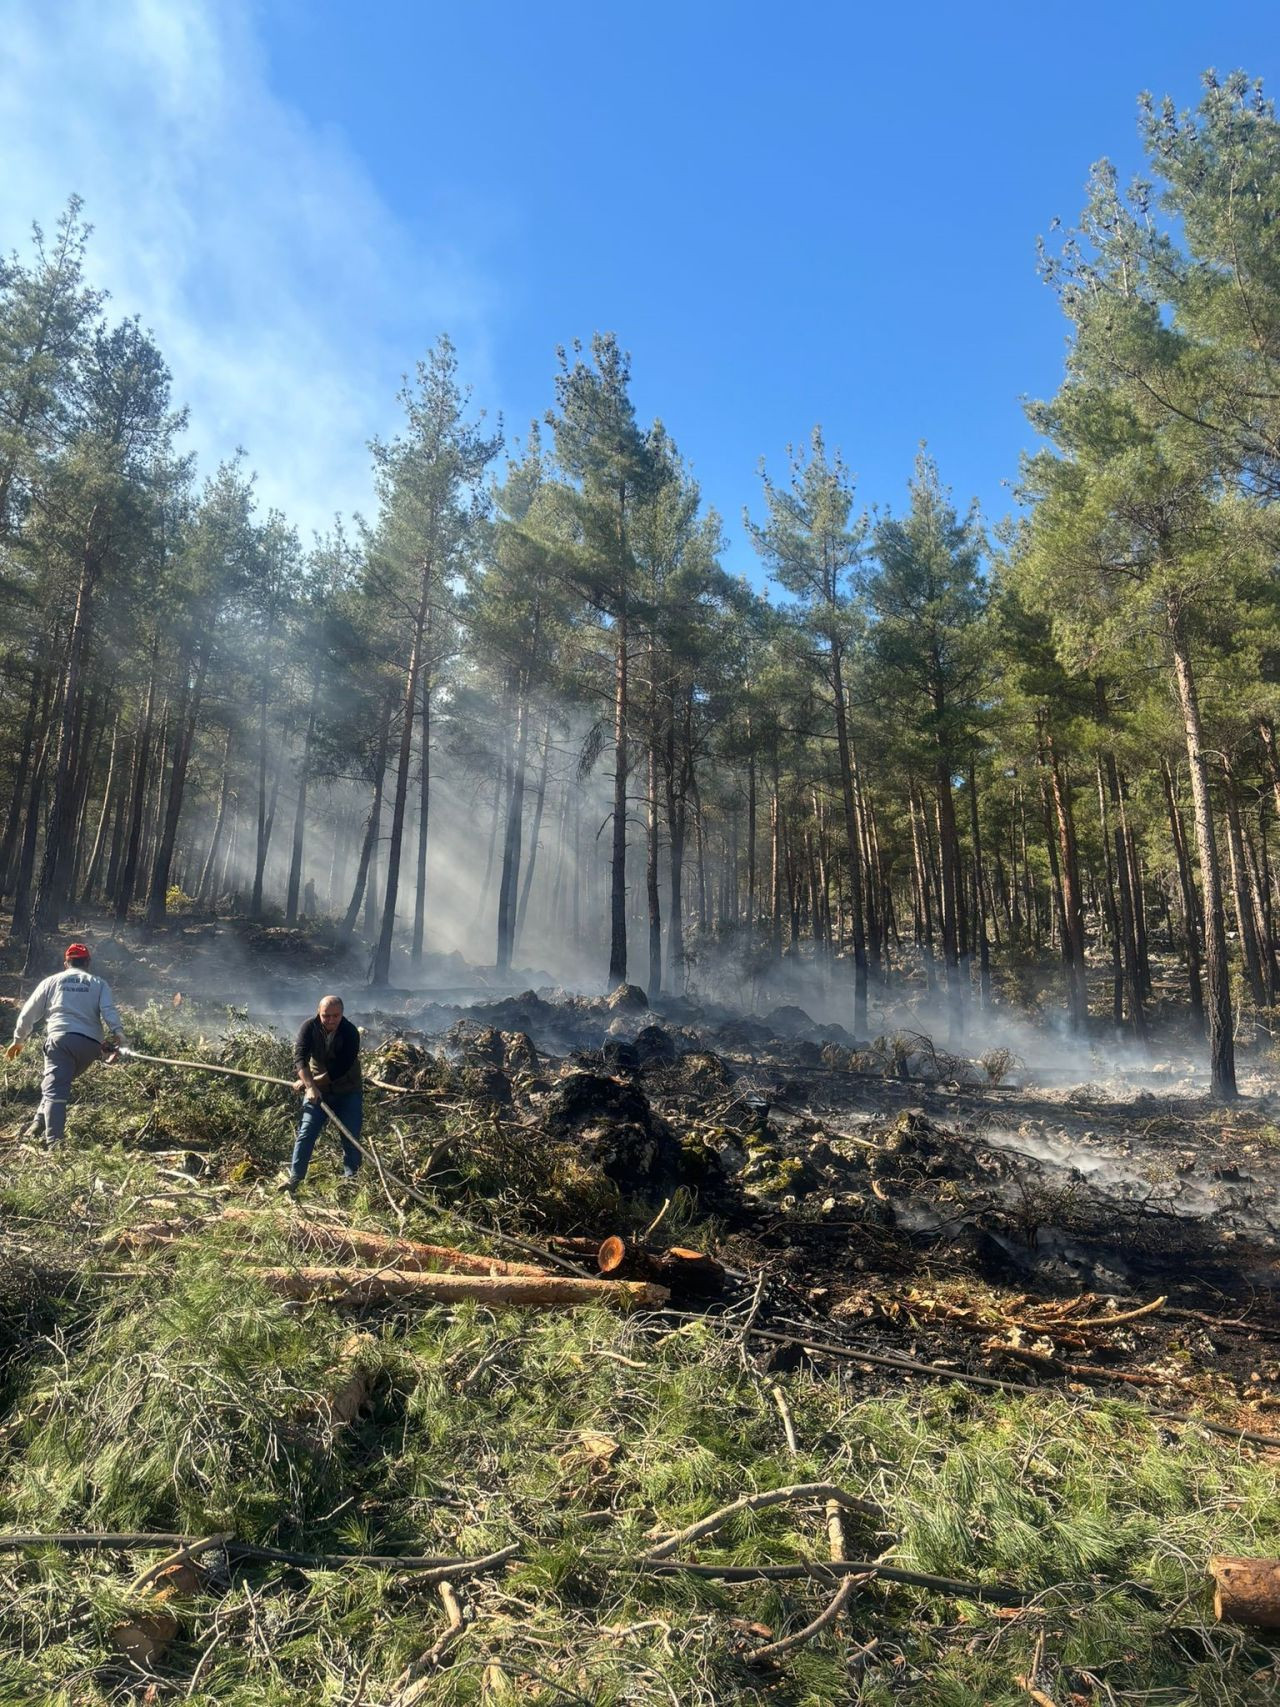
(81, 1025)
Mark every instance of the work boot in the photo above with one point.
(36, 1128)
(290, 1184)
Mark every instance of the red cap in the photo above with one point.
(77, 951)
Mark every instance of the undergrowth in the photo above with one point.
(170, 1391)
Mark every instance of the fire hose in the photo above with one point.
(366, 1150)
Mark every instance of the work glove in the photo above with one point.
(110, 1052)
(13, 1051)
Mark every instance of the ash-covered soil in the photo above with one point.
(897, 1194)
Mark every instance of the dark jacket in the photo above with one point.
(342, 1063)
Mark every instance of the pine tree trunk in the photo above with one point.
(372, 826)
(380, 971)
(264, 821)
(979, 898)
(752, 831)
(775, 878)
(1128, 916)
(138, 795)
(424, 819)
(870, 897)
(949, 856)
(700, 845)
(183, 740)
(853, 848)
(108, 800)
(535, 829)
(1246, 925)
(618, 865)
(1191, 915)
(49, 902)
(1073, 942)
(677, 820)
(229, 861)
(26, 745)
(1260, 896)
(1114, 926)
(923, 888)
(1222, 1063)
(300, 811)
(205, 893)
(511, 843)
(30, 843)
(89, 739)
(651, 872)
(500, 784)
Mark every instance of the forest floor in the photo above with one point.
(1029, 1324)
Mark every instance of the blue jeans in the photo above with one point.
(349, 1108)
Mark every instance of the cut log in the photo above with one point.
(573, 1245)
(1247, 1591)
(144, 1238)
(686, 1273)
(349, 1389)
(523, 1291)
(144, 1637)
(691, 1273)
(389, 1252)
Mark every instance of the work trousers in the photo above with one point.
(349, 1108)
(65, 1058)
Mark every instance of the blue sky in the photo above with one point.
(793, 214)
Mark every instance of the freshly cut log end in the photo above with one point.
(620, 1260)
(612, 1255)
(1247, 1591)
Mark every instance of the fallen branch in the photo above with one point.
(761, 1502)
(192, 1550)
(774, 1651)
(1081, 1371)
(362, 1285)
(1037, 1695)
(387, 1252)
(939, 1372)
(412, 1685)
(999, 1593)
(89, 1541)
(1113, 1320)
(423, 1566)
(789, 1430)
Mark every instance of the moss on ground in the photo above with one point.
(167, 1390)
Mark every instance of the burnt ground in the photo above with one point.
(896, 1198)
(892, 1195)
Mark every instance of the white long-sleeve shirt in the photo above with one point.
(71, 1001)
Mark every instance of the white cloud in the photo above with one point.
(283, 292)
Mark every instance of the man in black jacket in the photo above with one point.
(326, 1054)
